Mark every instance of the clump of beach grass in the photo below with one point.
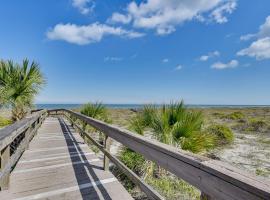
(223, 134)
(256, 125)
(235, 115)
(4, 122)
(174, 124)
(98, 111)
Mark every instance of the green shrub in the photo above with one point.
(198, 142)
(95, 110)
(223, 134)
(219, 115)
(261, 172)
(4, 122)
(256, 125)
(136, 124)
(235, 115)
(133, 160)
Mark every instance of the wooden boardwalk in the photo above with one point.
(59, 165)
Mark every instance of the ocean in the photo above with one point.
(138, 106)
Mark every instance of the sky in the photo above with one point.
(151, 51)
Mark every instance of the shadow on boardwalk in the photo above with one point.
(84, 172)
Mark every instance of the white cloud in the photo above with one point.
(247, 37)
(84, 6)
(113, 59)
(164, 15)
(87, 34)
(165, 60)
(219, 13)
(120, 18)
(178, 67)
(260, 48)
(209, 55)
(220, 65)
(265, 29)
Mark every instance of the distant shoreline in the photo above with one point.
(138, 106)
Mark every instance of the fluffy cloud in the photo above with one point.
(220, 65)
(265, 28)
(120, 18)
(247, 37)
(164, 16)
(83, 35)
(209, 55)
(219, 13)
(260, 48)
(84, 6)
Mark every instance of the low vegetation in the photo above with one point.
(95, 110)
(176, 125)
(4, 122)
(172, 188)
(223, 134)
(237, 115)
(253, 125)
(256, 125)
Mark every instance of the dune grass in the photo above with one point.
(4, 122)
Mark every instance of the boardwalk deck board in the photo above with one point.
(59, 165)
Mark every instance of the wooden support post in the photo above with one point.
(107, 145)
(27, 136)
(205, 196)
(5, 156)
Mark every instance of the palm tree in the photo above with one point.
(19, 84)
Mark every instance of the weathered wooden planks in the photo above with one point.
(14, 139)
(58, 165)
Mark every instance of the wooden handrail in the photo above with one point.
(24, 130)
(215, 179)
(149, 191)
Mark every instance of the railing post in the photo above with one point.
(28, 136)
(205, 196)
(5, 156)
(107, 145)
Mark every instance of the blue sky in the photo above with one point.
(123, 51)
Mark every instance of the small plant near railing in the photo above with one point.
(4, 122)
(176, 125)
(98, 111)
(95, 110)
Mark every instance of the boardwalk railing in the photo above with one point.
(14, 139)
(215, 179)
